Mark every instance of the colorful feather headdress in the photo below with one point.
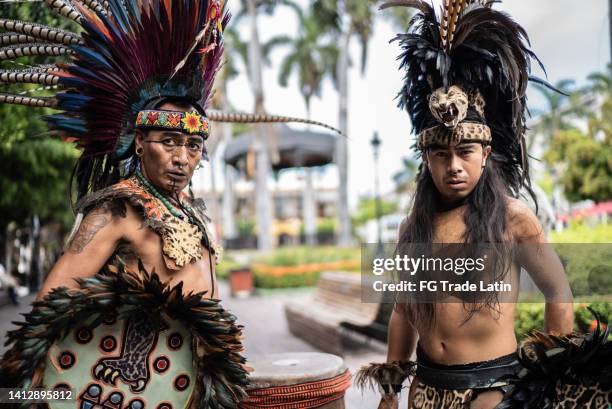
(128, 53)
(466, 76)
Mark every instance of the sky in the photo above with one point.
(570, 37)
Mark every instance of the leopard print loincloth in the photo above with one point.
(567, 397)
(428, 397)
(582, 397)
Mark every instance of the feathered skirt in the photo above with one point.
(125, 340)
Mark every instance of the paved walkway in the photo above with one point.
(265, 331)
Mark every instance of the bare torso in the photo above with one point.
(102, 234)
(146, 245)
(487, 334)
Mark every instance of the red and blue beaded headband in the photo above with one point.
(188, 122)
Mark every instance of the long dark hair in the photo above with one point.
(485, 220)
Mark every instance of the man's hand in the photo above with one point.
(389, 401)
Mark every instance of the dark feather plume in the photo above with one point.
(582, 363)
(381, 375)
(485, 50)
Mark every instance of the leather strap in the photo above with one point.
(477, 375)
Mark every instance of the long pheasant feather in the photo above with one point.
(450, 16)
(238, 117)
(40, 31)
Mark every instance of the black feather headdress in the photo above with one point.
(484, 53)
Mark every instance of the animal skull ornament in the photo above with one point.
(449, 107)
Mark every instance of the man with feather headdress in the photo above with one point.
(128, 318)
(466, 75)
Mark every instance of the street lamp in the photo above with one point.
(375, 150)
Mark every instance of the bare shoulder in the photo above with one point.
(95, 222)
(523, 223)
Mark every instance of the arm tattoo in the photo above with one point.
(92, 224)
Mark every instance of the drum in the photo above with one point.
(297, 381)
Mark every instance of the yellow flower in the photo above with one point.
(192, 122)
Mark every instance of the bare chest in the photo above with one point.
(449, 227)
(145, 245)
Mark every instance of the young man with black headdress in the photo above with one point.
(129, 317)
(465, 83)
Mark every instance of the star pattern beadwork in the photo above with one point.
(188, 122)
(192, 122)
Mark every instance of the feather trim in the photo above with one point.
(448, 24)
(417, 4)
(95, 6)
(553, 363)
(385, 376)
(217, 338)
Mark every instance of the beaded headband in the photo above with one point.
(187, 122)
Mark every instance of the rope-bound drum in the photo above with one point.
(297, 381)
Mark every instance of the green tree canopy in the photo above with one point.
(34, 178)
(35, 169)
(586, 163)
(581, 160)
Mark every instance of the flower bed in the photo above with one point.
(270, 276)
(295, 266)
(301, 266)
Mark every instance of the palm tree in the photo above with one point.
(228, 71)
(601, 82)
(263, 203)
(312, 60)
(560, 109)
(600, 88)
(405, 176)
(346, 19)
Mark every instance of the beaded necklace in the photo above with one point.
(149, 186)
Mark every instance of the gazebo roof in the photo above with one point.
(296, 148)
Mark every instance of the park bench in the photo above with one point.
(327, 320)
